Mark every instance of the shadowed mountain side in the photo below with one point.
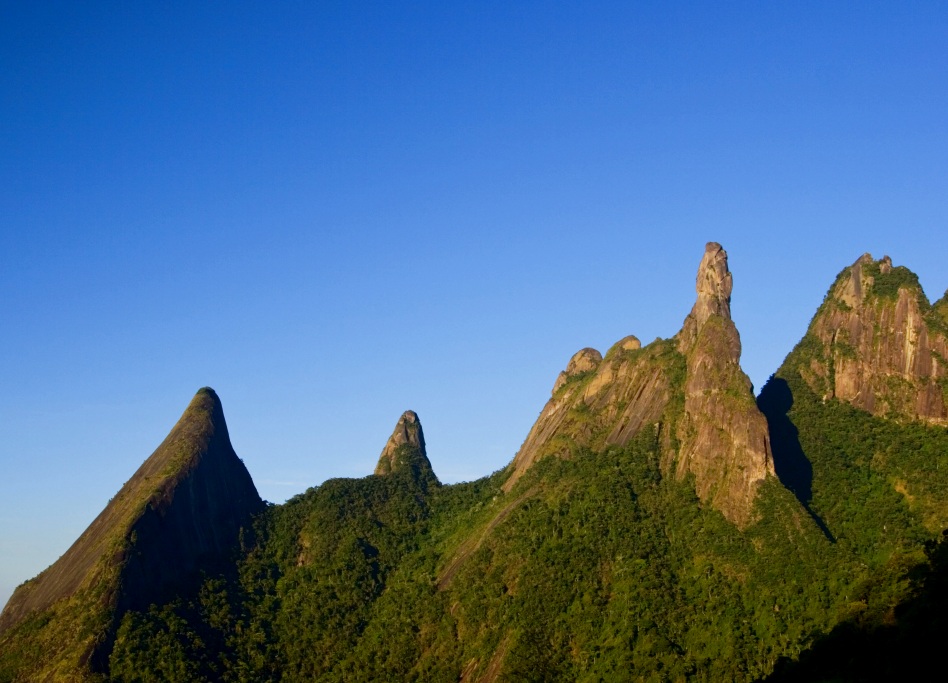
(905, 644)
(790, 462)
(180, 513)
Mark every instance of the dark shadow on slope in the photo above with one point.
(792, 466)
(905, 645)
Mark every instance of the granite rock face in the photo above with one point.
(724, 438)
(878, 344)
(181, 512)
(405, 450)
(606, 403)
(721, 435)
(713, 285)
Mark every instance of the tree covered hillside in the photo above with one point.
(657, 525)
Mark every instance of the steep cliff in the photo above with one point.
(181, 512)
(723, 437)
(878, 344)
(690, 389)
(598, 402)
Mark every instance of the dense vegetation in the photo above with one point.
(593, 568)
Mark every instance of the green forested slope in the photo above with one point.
(603, 570)
(598, 561)
(594, 567)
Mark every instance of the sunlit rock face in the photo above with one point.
(405, 452)
(718, 435)
(723, 436)
(878, 344)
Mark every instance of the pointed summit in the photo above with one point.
(713, 285)
(180, 512)
(720, 436)
(405, 449)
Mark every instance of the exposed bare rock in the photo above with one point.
(630, 343)
(713, 285)
(722, 435)
(878, 344)
(405, 450)
(607, 403)
(584, 360)
(181, 511)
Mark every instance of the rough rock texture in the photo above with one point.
(879, 345)
(405, 450)
(723, 436)
(607, 402)
(713, 285)
(180, 512)
(584, 360)
(599, 402)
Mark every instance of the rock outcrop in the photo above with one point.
(720, 434)
(405, 450)
(598, 402)
(878, 344)
(724, 438)
(181, 512)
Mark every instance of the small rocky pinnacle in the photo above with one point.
(584, 360)
(407, 433)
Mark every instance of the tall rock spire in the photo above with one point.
(713, 285)
(723, 436)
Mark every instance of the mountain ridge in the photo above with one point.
(878, 344)
(668, 536)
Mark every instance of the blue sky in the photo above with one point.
(334, 212)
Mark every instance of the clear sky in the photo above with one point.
(334, 212)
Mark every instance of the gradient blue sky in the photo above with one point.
(334, 212)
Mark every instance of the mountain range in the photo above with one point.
(660, 522)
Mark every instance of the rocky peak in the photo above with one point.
(405, 449)
(180, 513)
(878, 344)
(599, 402)
(630, 343)
(723, 436)
(584, 360)
(713, 285)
